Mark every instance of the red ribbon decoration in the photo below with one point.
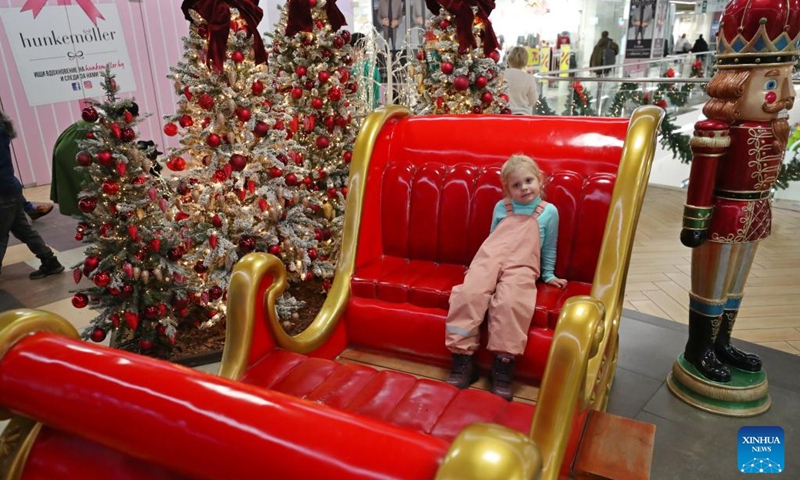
(86, 5)
(217, 13)
(299, 17)
(464, 16)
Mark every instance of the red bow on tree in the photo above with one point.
(217, 13)
(464, 16)
(299, 16)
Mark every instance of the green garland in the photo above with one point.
(580, 102)
(543, 108)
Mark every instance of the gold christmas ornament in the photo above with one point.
(145, 277)
(137, 272)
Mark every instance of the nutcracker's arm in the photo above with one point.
(709, 143)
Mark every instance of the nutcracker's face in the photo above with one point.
(768, 93)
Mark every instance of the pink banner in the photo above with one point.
(86, 5)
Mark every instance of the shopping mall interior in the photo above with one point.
(654, 314)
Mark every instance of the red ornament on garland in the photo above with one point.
(110, 187)
(105, 158)
(186, 121)
(477, 110)
(447, 68)
(335, 94)
(317, 103)
(206, 101)
(261, 129)
(338, 42)
(344, 75)
(151, 312)
(171, 129)
(80, 300)
(247, 244)
(275, 172)
(487, 97)
(102, 279)
(323, 76)
(87, 204)
(89, 114)
(216, 221)
(83, 159)
(238, 162)
(312, 253)
(461, 83)
(257, 88)
(481, 82)
(297, 93)
(215, 293)
(175, 253)
(443, 24)
(243, 114)
(187, 93)
(300, 71)
(275, 249)
(98, 335)
(291, 180)
(322, 142)
(176, 164)
(495, 55)
(127, 134)
(213, 140)
(89, 264)
(145, 345)
(347, 157)
(237, 56)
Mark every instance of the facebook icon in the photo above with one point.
(76, 86)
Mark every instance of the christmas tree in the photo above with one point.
(139, 289)
(459, 76)
(237, 196)
(580, 102)
(313, 59)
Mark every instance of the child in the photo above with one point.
(502, 278)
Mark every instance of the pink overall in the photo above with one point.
(501, 279)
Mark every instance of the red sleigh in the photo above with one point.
(420, 198)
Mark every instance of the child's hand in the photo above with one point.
(558, 282)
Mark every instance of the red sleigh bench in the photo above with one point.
(420, 199)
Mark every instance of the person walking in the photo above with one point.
(604, 53)
(12, 212)
(523, 94)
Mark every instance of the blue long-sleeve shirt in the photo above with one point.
(548, 231)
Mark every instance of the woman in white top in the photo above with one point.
(523, 94)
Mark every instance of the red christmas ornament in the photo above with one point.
(187, 93)
(346, 36)
(105, 158)
(447, 68)
(262, 204)
(121, 168)
(151, 312)
(347, 157)
(319, 24)
(344, 75)
(131, 320)
(87, 204)
(291, 179)
(202, 30)
(275, 172)
(176, 164)
(133, 232)
(274, 249)
(237, 162)
(261, 129)
(206, 122)
(90, 135)
(670, 73)
(342, 121)
(76, 275)
(89, 114)
(477, 110)
(312, 253)
(247, 244)
(316, 103)
(443, 24)
(171, 129)
(495, 55)
(102, 279)
(127, 290)
(80, 300)
(300, 71)
(243, 114)
(155, 244)
(83, 159)
(338, 42)
(213, 140)
(237, 56)
(504, 97)
(114, 317)
(128, 116)
(216, 221)
(461, 83)
(322, 142)
(481, 82)
(352, 87)
(110, 187)
(186, 121)
(312, 3)
(487, 97)
(127, 134)
(105, 229)
(257, 88)
(199, 267)
(215, 293)
(323, 76)
(335, 94)
(98, 335)
(297, 93)
(662, 103)
(220, 175)
(212, 240)
(206, 101)
(145, 345)
(309, 122)
(175, 253)
(329, 121)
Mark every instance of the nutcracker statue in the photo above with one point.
(737, 154)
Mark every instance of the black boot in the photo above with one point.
(502, 373)
(727, 353)
(700, 347)
(463, 372)
(50, 266)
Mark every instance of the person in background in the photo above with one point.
(682, 45)
(366, 71)
(700, 45)
(604, 53)
(66, 181)
(523, 94)
(12, 213)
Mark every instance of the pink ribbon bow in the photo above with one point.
(86, 5)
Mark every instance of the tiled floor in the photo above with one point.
(690, 444)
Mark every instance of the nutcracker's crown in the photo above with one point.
(758, 32)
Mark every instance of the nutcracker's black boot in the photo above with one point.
(727, 353)
(700, 347)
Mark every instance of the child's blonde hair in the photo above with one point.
(519, 161)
